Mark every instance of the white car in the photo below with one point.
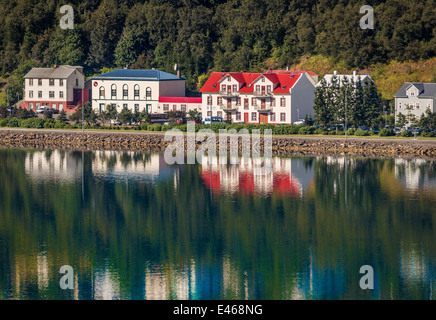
(299, 122)
(41, 109)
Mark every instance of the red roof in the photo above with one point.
(180, 100)
(284, 79)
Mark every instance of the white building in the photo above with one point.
(278, 97)
(135, 89)
(415, 98)
(60, 87)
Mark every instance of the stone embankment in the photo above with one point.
(155, 142)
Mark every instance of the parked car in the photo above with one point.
(299, 122)
(210, 120)
(41, 110)
(115, 122)
(397, 130)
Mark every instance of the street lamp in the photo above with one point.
(298, 112)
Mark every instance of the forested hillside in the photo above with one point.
(201, 35)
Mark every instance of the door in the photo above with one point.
(263, 118)
(246, 117)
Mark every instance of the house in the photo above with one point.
(60, 88)
(135, 89)
(277, 97)
(415, 98)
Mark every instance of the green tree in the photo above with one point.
(126, 116)
(401, 120)
(62, 116)
(126, 51)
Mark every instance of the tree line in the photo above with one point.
(205, 35)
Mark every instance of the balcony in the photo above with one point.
(263, 108)
(228, 94)
(262, 94)
(228, 108)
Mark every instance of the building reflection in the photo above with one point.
(416, 173)
(287, 177)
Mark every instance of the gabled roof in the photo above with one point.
(61, 72)
(138, 74)
(426, 90)
(284, 80)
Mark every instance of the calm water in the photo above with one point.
(133, 227)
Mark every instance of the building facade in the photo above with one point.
(135, 89)
(60, 88)
(277, 97)
(185, 104)
(415, 98)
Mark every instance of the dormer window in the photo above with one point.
(228, 78)
(412, 93)
(263, 79)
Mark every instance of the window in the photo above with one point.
(246, 103)
(53, 105)
(238, 101)
(124, 106)
(209, 100)
(125, 91)
(136, 107)
(148, 93)
(30, 94)
(257, 88)
(219, 113)
(219, 101)
(136, 92)
(273, 117)
(166, 107)
(61, 82)
(30, 82)
(268, 89)
(253, 101)
(399, 105)
(183, 107)
(77, 82)
(61, 94)
(263, 79)
(282, 102)
(39, 82)
(148, 108)
(229, 79)
(412, 93)
(30, 106)
(209, 113)
(51, 94)
(39, 94)
(238, 116)
(174, 107)
(253, 116)
(37, 105)
(101, 108)
(61, 106)
(51, 82)
(101, 92)
(283, 116)
(235, 88)
(223, 87)
(113, 91)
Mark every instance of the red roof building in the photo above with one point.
(278, 96)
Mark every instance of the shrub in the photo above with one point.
(4, 122)
(386, 133)
(332, 132)
(306, 130)
(13, 123)
(320, 131)
(361, 133)
(428, 134)
(406, 134)
(340, 133)
(351, 132)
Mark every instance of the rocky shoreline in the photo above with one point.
(155, 142)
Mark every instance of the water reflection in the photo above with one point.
(133, 227)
